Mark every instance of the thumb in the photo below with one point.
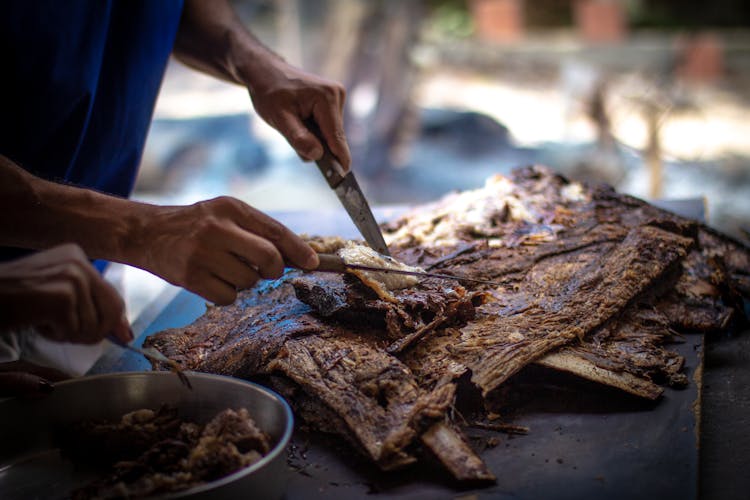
(23, 384)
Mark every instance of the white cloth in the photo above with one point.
(28, 345)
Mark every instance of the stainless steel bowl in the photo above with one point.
(32, 467)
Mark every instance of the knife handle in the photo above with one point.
(331, 262)
(328, 165)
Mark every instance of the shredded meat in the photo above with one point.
(156, 453)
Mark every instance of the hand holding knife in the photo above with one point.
(350, 194)
(347, 189)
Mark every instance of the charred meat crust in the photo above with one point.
(593, 283)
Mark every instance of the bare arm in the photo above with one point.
(212, 248)
(211, 38)
(39, 214)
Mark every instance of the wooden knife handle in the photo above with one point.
(331, 262)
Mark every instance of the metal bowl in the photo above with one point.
(31, 466)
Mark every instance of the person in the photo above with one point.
(60, 295)
(77, 95)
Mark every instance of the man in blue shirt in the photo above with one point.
(78, 89)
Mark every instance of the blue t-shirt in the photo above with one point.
(78, 86)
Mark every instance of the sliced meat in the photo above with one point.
(497, 345)
(627, 353)
(374, 394)
(576, 364)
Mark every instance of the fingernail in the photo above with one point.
(45, 386)
(312, 261)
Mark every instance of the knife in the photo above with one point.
(346, 187)
(154, 356)
(332, 263)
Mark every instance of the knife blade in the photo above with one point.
(155, 356)
(346, 187)
(332, 263)
(351, 196)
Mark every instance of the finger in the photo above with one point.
(299, 137)
(256, 251)
(342, 102)
(235, 270)
(58, 316)
(293, 249)
(213, 289)
(329, 118)
(81, 278)
(47, 373)
(23, 384)
(122, 330)
(111, 310)
(102, 310)
(249, 279)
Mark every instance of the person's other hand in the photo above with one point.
(215, 248)
(62, 295)
(20, 378)
(286, 97)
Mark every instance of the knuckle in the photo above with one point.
(330, 92)
(225, 202)
(214, 205)
(274, 231)
(212, 224)
(223, 207)
(301, 139)
(209, 227)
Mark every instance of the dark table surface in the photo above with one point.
(585, 442)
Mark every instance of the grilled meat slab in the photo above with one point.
(592, 282)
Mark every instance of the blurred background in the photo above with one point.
(651, 96)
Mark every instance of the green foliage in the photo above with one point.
(449, 18)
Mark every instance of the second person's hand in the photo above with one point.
(59, 292)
